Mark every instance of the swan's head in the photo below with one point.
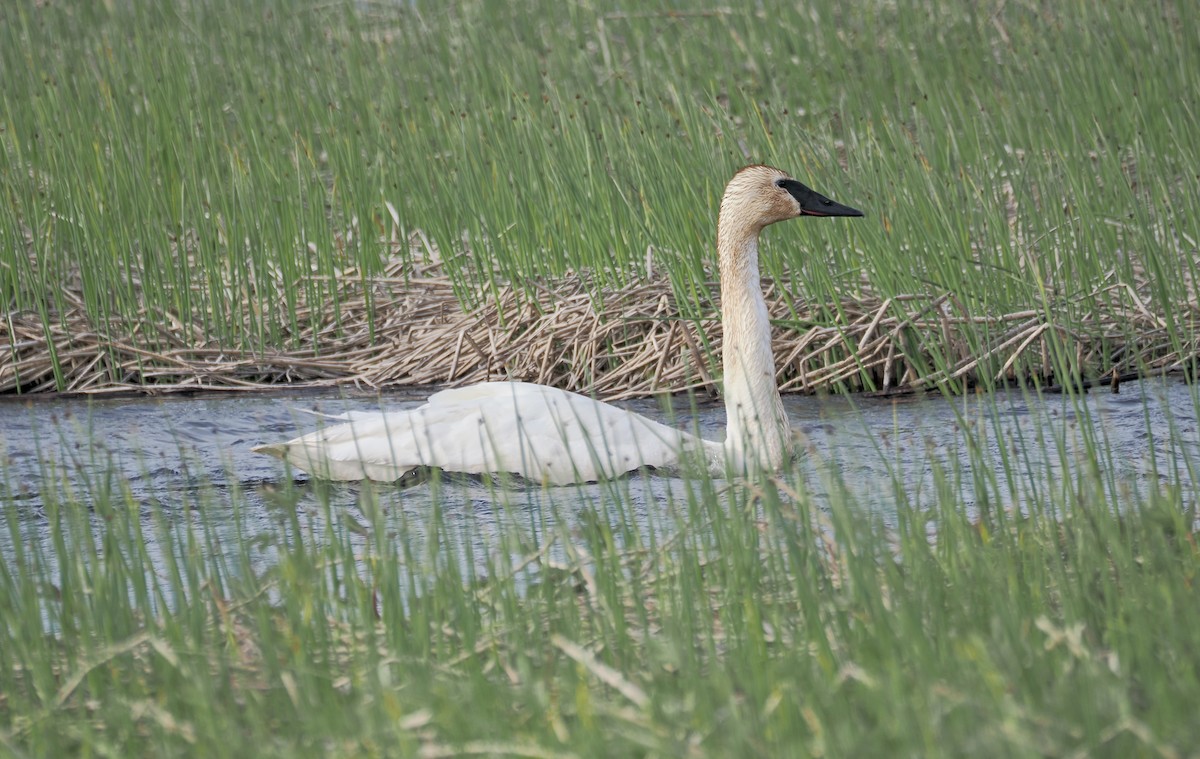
(762, 195)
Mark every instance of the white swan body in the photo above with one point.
(557, 437)
(541, 433)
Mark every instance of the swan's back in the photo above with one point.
(540, 433)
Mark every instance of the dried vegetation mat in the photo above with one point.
(614, 343)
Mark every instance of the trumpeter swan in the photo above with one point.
(557, 437)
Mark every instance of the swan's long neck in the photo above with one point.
(758, 435)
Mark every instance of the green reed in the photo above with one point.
(641, 617)
(207, 163)
(219, 164)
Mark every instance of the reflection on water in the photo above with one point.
(185, 454)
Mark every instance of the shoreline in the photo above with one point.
(413, 332)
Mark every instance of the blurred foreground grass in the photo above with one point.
(718, 619)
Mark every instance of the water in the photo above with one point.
(180, 456)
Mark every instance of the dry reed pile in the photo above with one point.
(626, 342)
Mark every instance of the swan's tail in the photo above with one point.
(278, 450)
(281, 450)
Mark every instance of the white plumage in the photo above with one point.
(557, 437)
(541, 433)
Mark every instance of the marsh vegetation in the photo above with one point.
(211, 195)
(200, 195)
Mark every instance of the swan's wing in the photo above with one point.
(538, 432)
(559, 437)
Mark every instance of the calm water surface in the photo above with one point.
(186, 454)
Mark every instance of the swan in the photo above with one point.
(558, 437)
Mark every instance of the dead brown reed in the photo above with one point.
(621, 343)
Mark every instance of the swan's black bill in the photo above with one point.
(813, 203)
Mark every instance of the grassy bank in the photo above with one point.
(210, 193)
(640, 618)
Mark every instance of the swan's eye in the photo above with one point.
(779, 183)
